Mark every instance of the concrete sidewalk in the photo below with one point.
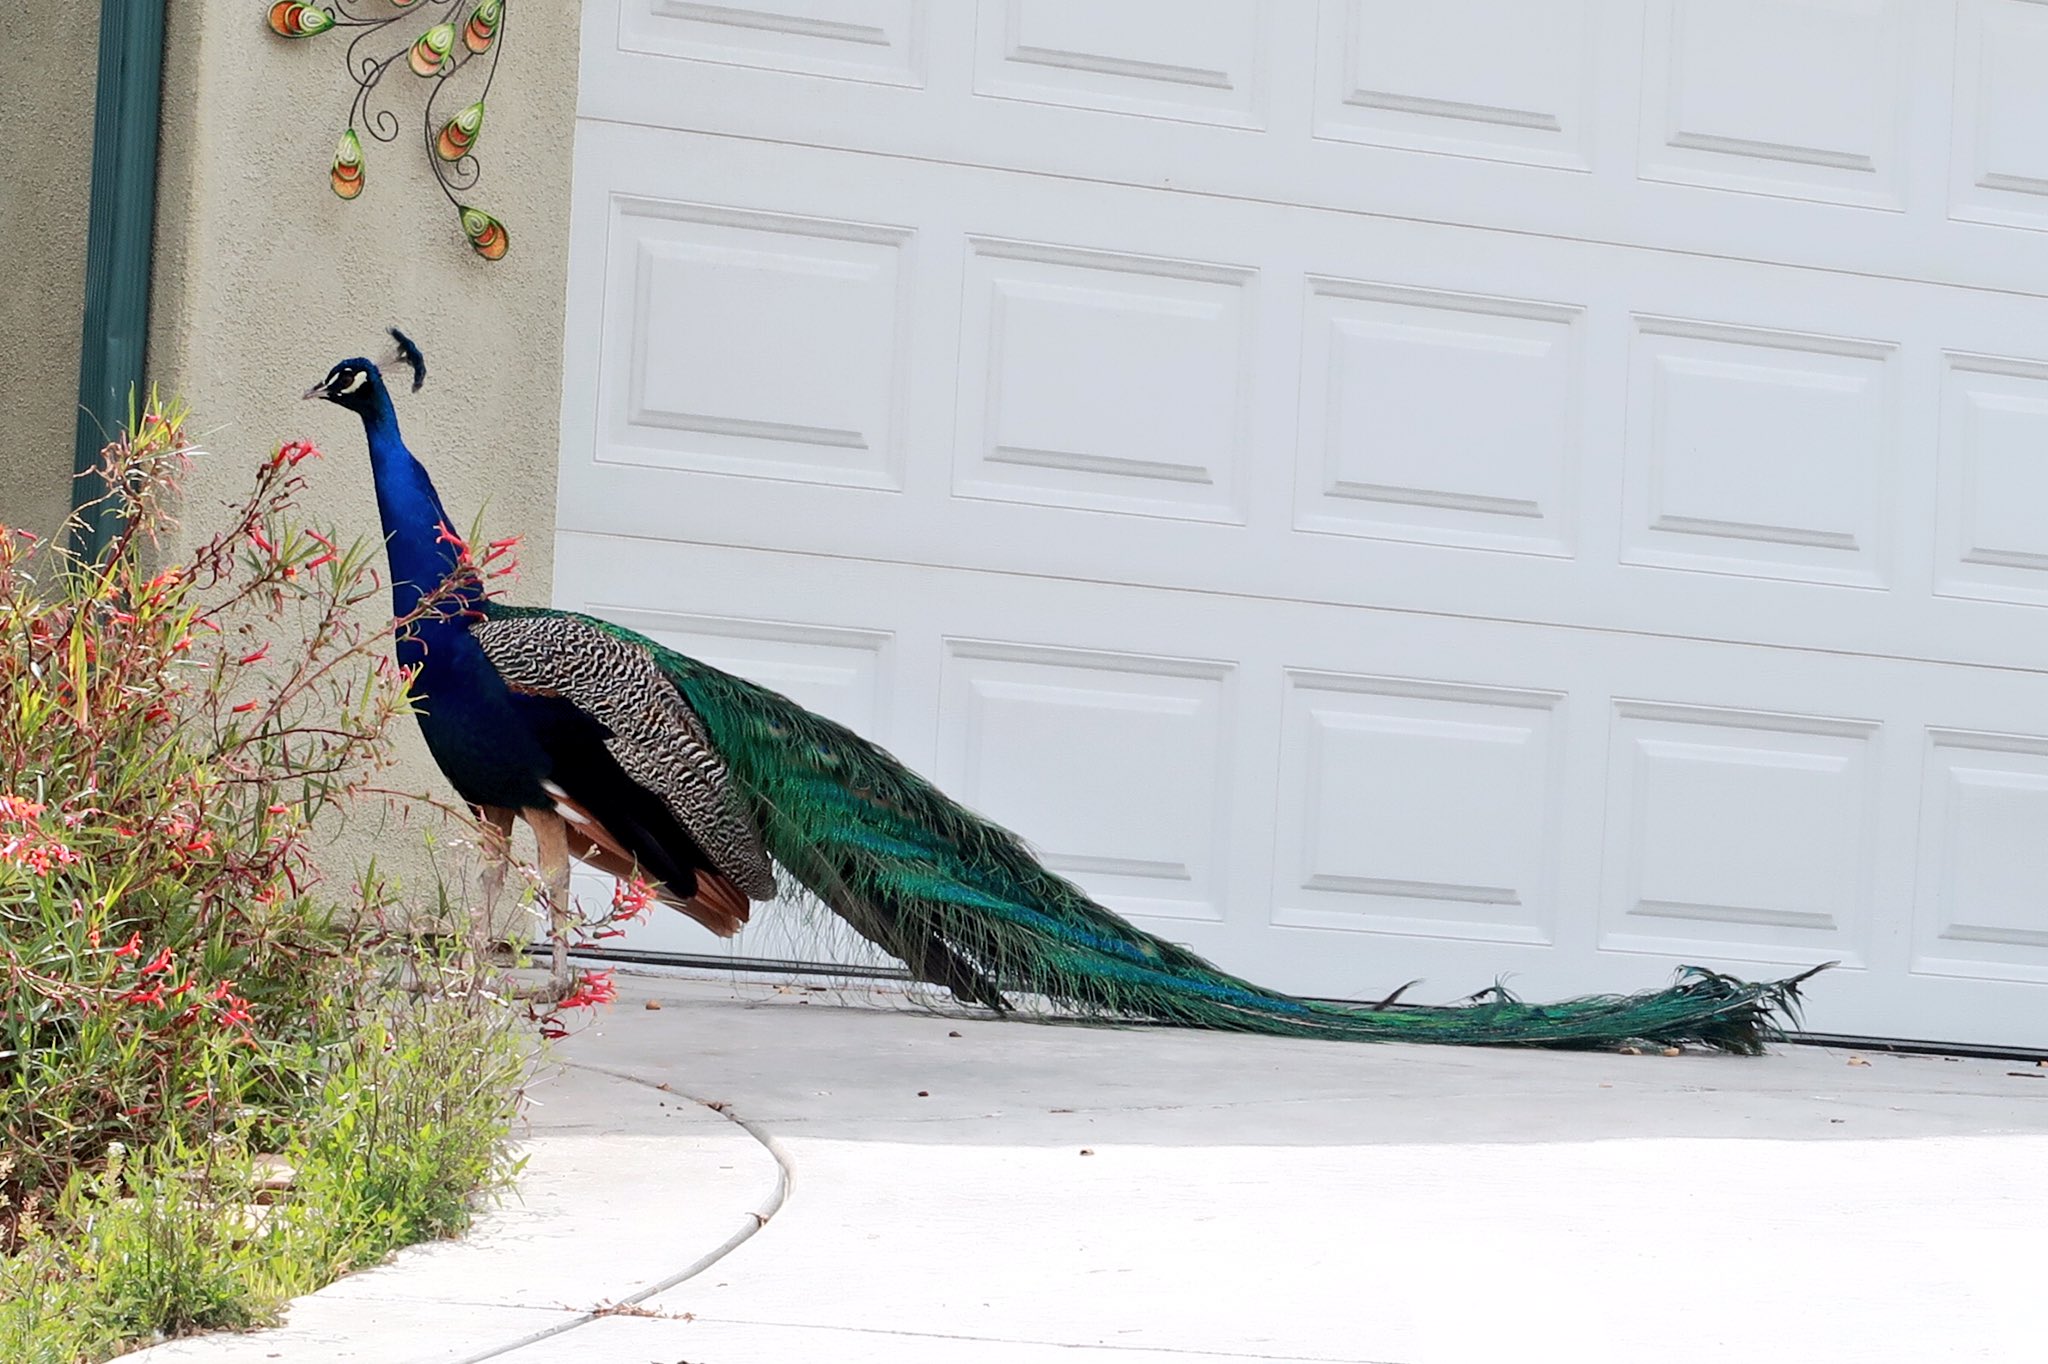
(753, 1175)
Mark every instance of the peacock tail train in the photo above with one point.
(965, 905)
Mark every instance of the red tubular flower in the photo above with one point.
(153, 995)
(630, 899)
(321, 561)
(594, 987)
(131, 947)
(257, 538)
(246, 659)
(294, 451)
(19, 807)
(244, 707)
(158, 964)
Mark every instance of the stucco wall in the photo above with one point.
(264, 278)
(47, 85)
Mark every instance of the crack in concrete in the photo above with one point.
(756, 1219)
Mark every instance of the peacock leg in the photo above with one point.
(551, 832)
(496, 842)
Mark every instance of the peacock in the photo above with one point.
(642, 762)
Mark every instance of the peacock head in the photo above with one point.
(358, 384)
(354, 384)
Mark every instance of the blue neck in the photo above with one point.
(422, 558)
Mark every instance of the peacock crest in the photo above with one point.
(443, 41)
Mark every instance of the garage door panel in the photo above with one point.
(1410, 76)
(811, 387)
(1446, 418)
(1993, 462)
(1419, 807)
(1801, 97)
(1196, 60)
(1749, 834)
(1983, 861)
(1104, 380)
(1999, 167)
(864, 40)
(845, 673)
(1762, 453)
(1120, 764)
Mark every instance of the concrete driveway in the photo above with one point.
(754, 1175)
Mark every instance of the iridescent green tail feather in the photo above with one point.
(965, 905)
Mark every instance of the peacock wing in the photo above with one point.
(649, 731)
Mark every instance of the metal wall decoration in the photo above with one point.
(434, 40)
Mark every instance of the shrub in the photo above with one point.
(179, 994)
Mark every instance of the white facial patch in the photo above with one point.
(362, 376)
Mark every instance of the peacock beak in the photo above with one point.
(318, 390)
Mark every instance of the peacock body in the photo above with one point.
(639, 760)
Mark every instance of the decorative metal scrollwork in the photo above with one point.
(389, 34)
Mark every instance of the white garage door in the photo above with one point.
(1543, 488)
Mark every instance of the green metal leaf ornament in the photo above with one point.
(482, 29)
(291, 19)
(459, 134)
(487, 236)
(429, 56)
(347, 175)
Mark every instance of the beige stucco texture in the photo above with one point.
(264, 279)
(47, 84)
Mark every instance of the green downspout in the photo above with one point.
(117, 250)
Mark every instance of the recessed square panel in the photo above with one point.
(1507, 82)
(1803, 98)
(837, 672)
(1768, 454)
(1738, 833)
(1113, 766)
(1102, 380)
(1999, 164)
(844, 674)
(1440, 418)
(1416, 807)
(1983, 887)
(1198, 62)
(754, 344)
(866, 40)
(1993, 539)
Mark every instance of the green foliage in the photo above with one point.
(181, 1001)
